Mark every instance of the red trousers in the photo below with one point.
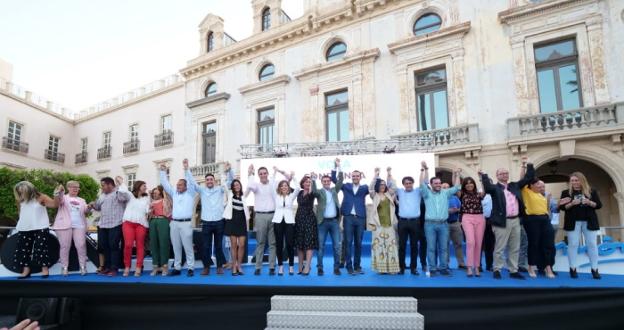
(133, 232)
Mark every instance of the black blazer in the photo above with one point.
(581, 212)
(499, 203)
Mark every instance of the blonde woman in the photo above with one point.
(33, 228)
(71, 224)
(383, 222)
(580, 203)
(159, 231)
(284, 222)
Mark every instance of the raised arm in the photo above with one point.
(488, 186)
(424, 177)
(123, 194)
(528, 176)
(164, 182)
(190, 180)
(47, 201)
(338, 181)
(229, 175)
(371, 187)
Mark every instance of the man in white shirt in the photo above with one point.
(181, 229)
(264, 208)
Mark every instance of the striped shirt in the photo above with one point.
(111, 207)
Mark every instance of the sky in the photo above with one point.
(81, 52)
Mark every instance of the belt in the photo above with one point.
(409, 219)
(268, 212)
(512, 217)
(182, 220)
(334, 218)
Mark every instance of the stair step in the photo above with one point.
(344, 320)
(344, 304)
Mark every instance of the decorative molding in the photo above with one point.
(278, 80)
(518, 13)
(458, 30)
(209, 99)
(319, 68)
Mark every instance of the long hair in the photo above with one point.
(279, 185)
(136, 187)
(303, 180)
(25, 191)
(240, 193)
(585, 187)
(466, 181)
(378, 183)
(160, 189)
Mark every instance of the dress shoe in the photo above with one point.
(205, 271)
(219, 270)
(401, 271)
(516, 275)
(523, 270)
(445, 272)
(272, 271)
(359, 271)
(573, 273)
(595, 274)
(414, 272)
(111, 273)
(350, 271)
(257, 272)
(320, 272)
(175, 272)
(190, 273)
(462, 267)
(337, 271)
(497, 274)
(22, 277)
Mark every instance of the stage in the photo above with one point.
(241, 302)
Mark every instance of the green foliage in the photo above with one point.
(45, 181)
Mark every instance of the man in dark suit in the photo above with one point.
(353, 210)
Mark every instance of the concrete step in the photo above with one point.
(344, 320)
(344, 304)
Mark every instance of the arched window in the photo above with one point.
(427, 23)
(336, 51)
(266, 18)
(267, 71)
(211, 89)
(210, 42)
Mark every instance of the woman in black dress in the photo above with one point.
(236, 217)
(306, 231)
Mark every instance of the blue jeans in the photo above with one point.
(437, 233)
(591, 241)
(332, 227)
(354, 231)
(210, 229)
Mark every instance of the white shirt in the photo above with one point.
(136, 209)
(33, 216)
(355, 190)
(264, 194)
(284, 208)
(74, 212)
(183, 203)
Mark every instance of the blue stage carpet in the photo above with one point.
(369, 279)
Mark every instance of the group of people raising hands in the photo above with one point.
(298, 216)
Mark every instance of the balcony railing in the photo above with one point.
(104, 152)
(54, 156)
(163, 139)
(434, 140)
(202, 170)
(15, 145)
(131, 146)
(81, 158)
(599, 120)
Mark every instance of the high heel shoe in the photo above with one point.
(595, 274)
(83, 270)
(280, 271)
(469, 272)
(155, 271)
(164, 271)
(291, 271)
(64, 271)
(126, 272)
(138, 272)
(22, 277)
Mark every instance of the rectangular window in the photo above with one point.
(84, 143)
(130, 179)
(53, 144)
(166, 123)
(106, 139)
(15, 132)
(558, 84)
(431, 99)
(133, 132)
(337, 116)
(209, 142)
(266, 125)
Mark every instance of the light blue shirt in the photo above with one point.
(212, 199)
(183, 203)
(436, 203)
(330, 205)
(409, 203)
(486, 203)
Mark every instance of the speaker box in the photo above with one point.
(51, 313)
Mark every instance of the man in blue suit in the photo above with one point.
(353, 210)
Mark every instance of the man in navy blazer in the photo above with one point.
(353, 210)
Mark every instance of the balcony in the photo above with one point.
(131, 146)
(163, 139)
(202, 170)
(15, 145)
(104, 153)
(81, 158)
(579, 123)
(440, 140)
(54, 156)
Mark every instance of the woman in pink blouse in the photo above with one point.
(71, 223)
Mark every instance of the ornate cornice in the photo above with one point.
(361, 56)
(458, 30)
(279, 80)
(511, 15)
(295, 30)
(210, 99)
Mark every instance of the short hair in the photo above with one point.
(25, 191)
(209, 174)
(356, 171)
(263, 168)
(108, 180)
(72, 183)
(434, 178)
(407, 178)
(303, 180)
(325, 176)
(183, 180)
(279, 185)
